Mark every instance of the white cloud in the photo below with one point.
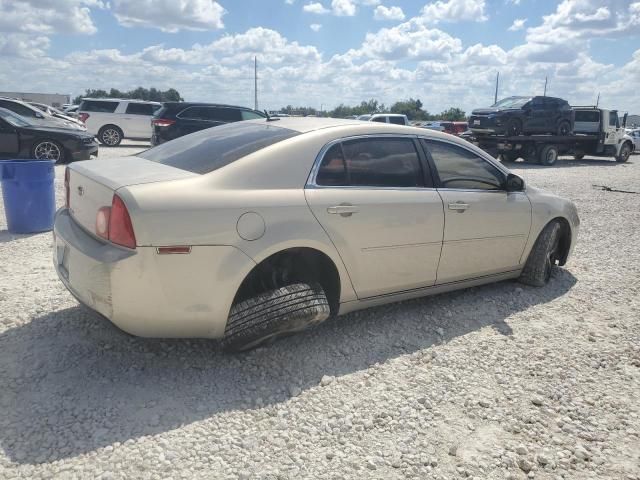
(343, 8)
(315, 7)
(315, 27)
(41, 17)
(518, 24)
(289, 2)
(388, 13)
(455, 11)
(170, 15)
(25, 46)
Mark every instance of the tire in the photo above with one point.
(564, 128)
(543, 256)
(579, 156)
(274, 314)
(48, 150)
(625, 152)
(110, 136)
(508, 157)
(548, 155)
(514, 127)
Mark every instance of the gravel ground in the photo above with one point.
(501, 381)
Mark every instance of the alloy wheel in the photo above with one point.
(111, 136)
(47, 151)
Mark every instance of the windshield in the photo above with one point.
(364, 117)
(14, 119)
(511, 102)
(213, 148)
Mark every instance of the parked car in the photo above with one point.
(71, 110)
(176, 119)
(455, 128)
(226, 233)
(514, 116)
(395, 118)
(20, 138)
(113, 120)
(437, 126)
(635, 137)
(36, 116)
(54, 112)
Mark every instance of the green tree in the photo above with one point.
(453, 114)
(140, 93)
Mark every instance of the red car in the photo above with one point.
(455, 128)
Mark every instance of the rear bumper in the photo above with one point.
(84, 152)
(147, 294)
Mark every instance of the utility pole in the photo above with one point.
(255, 81)
(545, 87)
(495, 97)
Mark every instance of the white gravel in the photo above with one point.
(501, 381)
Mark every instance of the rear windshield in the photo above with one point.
(213, 148)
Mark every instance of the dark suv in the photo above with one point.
(176, 119)
(513, 116)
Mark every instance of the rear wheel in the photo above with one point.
(544, 255)
(48, 150)
(514, 127)
(564, 128)
(625, 151)
(110, 135)
(273, 314)
(548, 155)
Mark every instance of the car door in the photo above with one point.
(9, 144)
(372, 197)
(537, 118)
(137, 119)
(486, 227)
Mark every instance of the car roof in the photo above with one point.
(206, 104)
(136, 100)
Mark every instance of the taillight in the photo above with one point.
(83, 117)
(114, 224)
(67, 176)
(162, 122)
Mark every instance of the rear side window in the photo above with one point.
(140, 109)
(397, 120)
(372, 162)
(211, 149)
(98, 106)
(587, 116)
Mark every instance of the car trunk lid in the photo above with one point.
(92, 183)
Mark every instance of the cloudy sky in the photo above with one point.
(326, 52)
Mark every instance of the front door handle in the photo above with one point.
(459, 206)
(345, 210)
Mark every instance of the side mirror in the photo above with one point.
(514, 183)
(624, 120)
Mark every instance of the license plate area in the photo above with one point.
(476, 122)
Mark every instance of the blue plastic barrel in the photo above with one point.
(28, 194)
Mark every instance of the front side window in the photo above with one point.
(248, 115)
(224, 114)
(372, 162)
(613, 119)
(140, 109)
(462, 169)
(380, 119)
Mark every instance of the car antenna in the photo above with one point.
(269, 117)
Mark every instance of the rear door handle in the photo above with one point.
(345, 210)
(459, 206)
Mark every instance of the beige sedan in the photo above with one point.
(261, 228)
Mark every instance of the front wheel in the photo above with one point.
(274, 314)
(48, 150)
(625, 151)
(544, 255)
